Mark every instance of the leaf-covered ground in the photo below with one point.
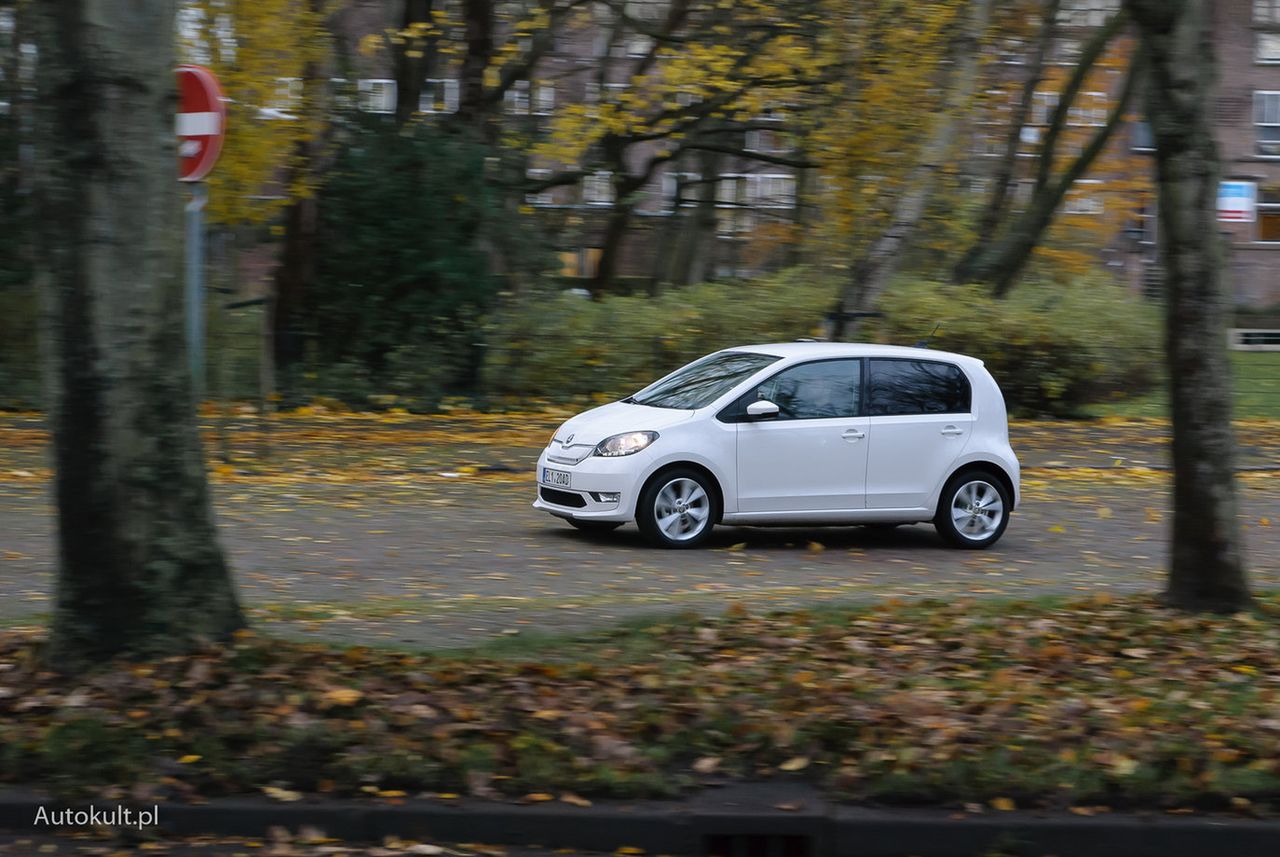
(1085, 705)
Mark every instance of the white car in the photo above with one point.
(794, 434)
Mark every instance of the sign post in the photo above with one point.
(201, 127)
(1237, 201)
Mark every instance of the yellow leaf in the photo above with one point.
(573, 799)
(1057, 528)
(1104, 512)
(342, 696)
(539, 797)
(798, 763)
(816, 547)
(1003, 804)
(189, 758)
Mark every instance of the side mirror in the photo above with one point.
(762, 410)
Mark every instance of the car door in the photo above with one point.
(919, 423)
(813, 455)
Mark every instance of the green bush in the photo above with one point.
(1052, 348)
(561, 345)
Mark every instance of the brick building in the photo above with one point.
(1247, 118)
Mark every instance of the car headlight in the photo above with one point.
(628, 443)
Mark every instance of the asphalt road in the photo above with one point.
(445, 563)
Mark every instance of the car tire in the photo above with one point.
(973, 510)
(595, 526)
(678, 509)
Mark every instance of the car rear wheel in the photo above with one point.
(595, 526)
(973, 510)
(678, 509)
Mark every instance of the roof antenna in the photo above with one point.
(924, 343)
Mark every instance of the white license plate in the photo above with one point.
(559, 478)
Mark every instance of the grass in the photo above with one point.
(1256, 379)
(1046, 703)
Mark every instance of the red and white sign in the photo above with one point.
(202, 122)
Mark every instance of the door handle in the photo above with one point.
(854, 434)
(952, 431)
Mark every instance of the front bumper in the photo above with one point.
(589, 479)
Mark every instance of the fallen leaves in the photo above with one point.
(1103, 699)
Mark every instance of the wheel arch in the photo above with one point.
(691, 465)
(983, 464)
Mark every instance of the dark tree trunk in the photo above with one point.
(998, 202)
(473, 104)
(999, 256)
(140, 569)
(295, 271)
(1207, 568)
(1002, 262)
(413, 59)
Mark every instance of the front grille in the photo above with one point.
(562, 498)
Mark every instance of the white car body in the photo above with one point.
(840, 470)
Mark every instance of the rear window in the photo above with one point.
(702, 381)
(900, 387)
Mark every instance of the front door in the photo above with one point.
(813, 456)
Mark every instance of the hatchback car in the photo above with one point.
(795, 434)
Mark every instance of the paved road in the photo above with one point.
(444, 563)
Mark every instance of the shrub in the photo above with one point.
(1052, 348)
(564, 344)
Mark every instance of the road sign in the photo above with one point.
(202, 122)
(1237, 201)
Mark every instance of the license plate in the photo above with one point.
(559, 478)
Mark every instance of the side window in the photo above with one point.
(896, 387)
(813, 391)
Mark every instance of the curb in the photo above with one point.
(735, 821)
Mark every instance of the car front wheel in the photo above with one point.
(973, 510)
(678, 509)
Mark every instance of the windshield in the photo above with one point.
(702, 381)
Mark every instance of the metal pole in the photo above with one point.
(195, 287)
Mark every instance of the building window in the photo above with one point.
(1084, 198)
(1043, 105)
(771, 191)
(546, 100)
(542, 198)
(377, 96)
(1268, 48)
(597, 189)
(1090, 108)
(1266, 118)
(679, 185)
(1087, 13)
(1269, 215)
(1266, 11)
(517, 98)
(439, 96)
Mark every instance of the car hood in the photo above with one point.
(579, 435)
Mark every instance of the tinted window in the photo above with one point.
(813, 391)
(702, 381)
(916, 387)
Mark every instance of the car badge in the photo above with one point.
(568, 440)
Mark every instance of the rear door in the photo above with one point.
(813, 455)
(920, 421)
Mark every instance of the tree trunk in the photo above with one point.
(998, 202)
(1207, 570)
(140, 569)
(473, 104)
(1002, 262)
(873, 270)
(413, 59)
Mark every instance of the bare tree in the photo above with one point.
(1207, 566)
(140, 568)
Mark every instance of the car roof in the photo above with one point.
(818, 350)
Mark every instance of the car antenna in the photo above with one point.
(924, 343)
